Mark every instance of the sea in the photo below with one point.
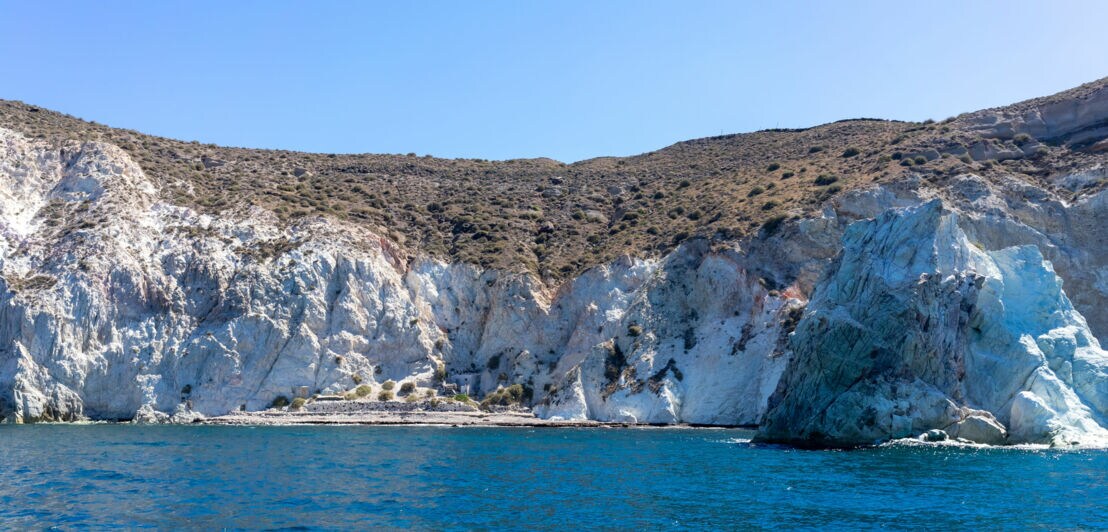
(101, 476)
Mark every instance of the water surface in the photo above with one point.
(504, 478)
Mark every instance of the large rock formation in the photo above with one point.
(916, 329)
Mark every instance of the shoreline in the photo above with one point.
(432, 418)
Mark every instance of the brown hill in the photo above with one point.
(557, 219)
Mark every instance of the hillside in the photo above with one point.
(836, 286)
(556, 219)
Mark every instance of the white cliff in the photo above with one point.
(115, 304)
(918, 329)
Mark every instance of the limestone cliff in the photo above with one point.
(901, 307)
(917, 329)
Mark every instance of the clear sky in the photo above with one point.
(515, 78)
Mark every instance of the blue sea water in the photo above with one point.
(73, 476)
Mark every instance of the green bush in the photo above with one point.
(826, 179)
(851, 152)
(755, 191)
(407, 388)
(773, 167)
(388, 385)
(363, 390)
(279, 402)
(297, 403)
(462, 398)
(511, 395)
(385, 395)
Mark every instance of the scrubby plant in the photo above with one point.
(771, 225)
(507, 396)
(850, 152)
(461, 397)
(634, 330)
(407, 388)
(388, 385)
(825, 179)
(297, 403)
(279, 402)
(385, 395)
(363, 390)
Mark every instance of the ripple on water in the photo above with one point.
(289, 478)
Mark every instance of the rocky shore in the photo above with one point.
(424, 412)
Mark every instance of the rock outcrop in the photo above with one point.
(917, 329)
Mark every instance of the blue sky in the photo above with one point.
(506, 79)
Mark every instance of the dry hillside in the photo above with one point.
(557, 219)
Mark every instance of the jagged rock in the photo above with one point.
(979, 427)
(935, 435)
(915, 328)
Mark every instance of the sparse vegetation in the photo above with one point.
(279, 402)
(363, 391)
(515, 394)
(385, 395)
(407, 388)
(533, 215)
(297, 403)
(388, 385)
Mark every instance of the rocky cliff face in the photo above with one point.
(918, 329)
(113, 305)
(973, 308)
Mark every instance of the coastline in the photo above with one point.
(430, 418)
